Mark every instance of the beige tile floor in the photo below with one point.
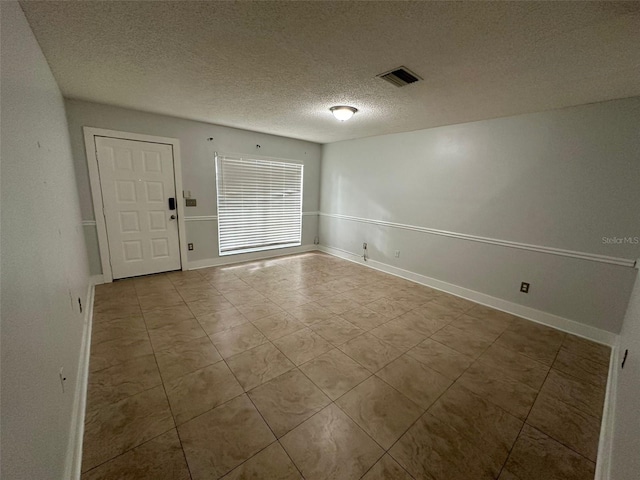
(313, 367)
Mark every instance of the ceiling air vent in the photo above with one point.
(400, 77)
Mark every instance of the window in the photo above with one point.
(259, 204)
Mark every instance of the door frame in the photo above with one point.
(96, 190)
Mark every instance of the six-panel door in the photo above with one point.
(137, 180)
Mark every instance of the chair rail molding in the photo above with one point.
(592, 257)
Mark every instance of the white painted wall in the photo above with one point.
(198, 169)
(562, 179)
(44, 264)
(625, 458)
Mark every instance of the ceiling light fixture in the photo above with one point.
(342, 112)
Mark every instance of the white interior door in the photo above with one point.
(137, 180)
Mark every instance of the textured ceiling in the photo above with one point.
(277, 67)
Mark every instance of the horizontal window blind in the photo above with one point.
(259, 204)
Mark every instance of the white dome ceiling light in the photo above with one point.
(343, 112)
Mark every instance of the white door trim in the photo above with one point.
(96, 189)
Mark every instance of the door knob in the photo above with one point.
(172, 217)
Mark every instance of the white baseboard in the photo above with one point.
(74, 451)
(545, 318)
(228, 260)
(245, 257)
(605, 444)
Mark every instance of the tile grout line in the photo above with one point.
(539, 390)
(129, 396)
(331, 402)
(448, 388)
(569, 405)
(508, 413)
(386, 451)
(425, 412)
(277, 439)
(164, 388)
(208, 410)
(435, 401)
(246, 393)
(524, 422)
(145, 390)
(162, 380)
(319, 283)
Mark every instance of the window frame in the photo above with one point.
(218, 159)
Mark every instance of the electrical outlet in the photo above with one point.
(316, 241)
(190, 246)
(524, 287)
(397, 253)
(364, 246)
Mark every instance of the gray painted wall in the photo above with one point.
(625, 460)
(198, 169)
(563, 179)
(44, 264)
